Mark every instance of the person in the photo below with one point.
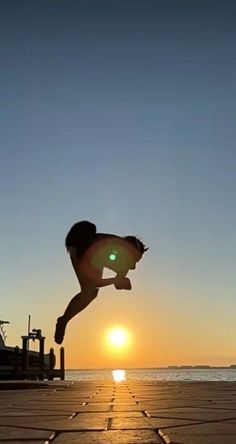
(91, 252)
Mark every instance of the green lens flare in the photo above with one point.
(112, 257)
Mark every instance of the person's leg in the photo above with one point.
(77, 304)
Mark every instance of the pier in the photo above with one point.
(128, 412)
(24, 363)
(40, 370)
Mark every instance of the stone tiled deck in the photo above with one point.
(118, 413)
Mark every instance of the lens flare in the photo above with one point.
(112, 257)
(116, 252)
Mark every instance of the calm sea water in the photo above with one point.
(154, 374)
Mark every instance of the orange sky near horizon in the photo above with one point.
(159, 337)
(167, 326)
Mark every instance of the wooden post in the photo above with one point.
(51, 364)
(62, 362)
(41, 358)
(16, 362)
(29, 325)
(24, 352)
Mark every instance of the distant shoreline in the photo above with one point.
(170, 367)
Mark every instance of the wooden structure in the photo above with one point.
(32, 365)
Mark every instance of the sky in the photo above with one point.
(121, 113)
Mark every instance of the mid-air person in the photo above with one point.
(90, 253)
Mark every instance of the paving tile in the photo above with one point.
(224, 405)
(172, 404)
(19, 441)
(17, 433)
(128, 408)
(146, 423)
(201, 439)
(26, 412)
(94, 408)
(109, 437)
(94, 405)
(76, 423)
(203, 429)
(32, 420)
(199, 415)
(46, 407)
(113, 414)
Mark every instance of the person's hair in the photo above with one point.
(137, 243)
(81, 236)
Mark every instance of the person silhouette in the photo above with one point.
(90, 252)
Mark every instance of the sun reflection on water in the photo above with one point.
(118, 375)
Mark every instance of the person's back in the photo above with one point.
(80, 236)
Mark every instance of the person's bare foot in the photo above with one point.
(60, 330)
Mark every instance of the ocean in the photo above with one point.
(153, 374)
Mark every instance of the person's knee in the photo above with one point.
(89, 293)
(94, 293)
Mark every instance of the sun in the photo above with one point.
(118, 337)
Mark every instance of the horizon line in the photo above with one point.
(169, 367)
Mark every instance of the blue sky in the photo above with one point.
(122, 113)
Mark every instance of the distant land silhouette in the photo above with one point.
(198, 366)
(169, 367)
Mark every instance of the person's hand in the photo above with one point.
(122, 283)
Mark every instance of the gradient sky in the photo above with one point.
(122, 113)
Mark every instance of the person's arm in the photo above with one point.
(122, 274)
(121, 283)
(90, 275)
(95, 279)
(99, 283)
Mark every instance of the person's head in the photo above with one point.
(137, 244)
(80, 234)
(136, 249)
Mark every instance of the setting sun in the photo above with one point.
(118, 337)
